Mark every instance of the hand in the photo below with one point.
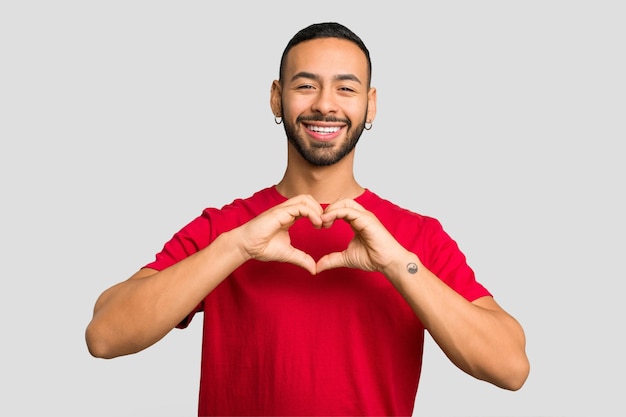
(266, 237)
(373, 248)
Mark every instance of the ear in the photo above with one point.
(275, 99)
(371, 105)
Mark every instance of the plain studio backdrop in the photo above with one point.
(121, 121)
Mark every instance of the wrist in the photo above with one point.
(232, 242)
(406, 266)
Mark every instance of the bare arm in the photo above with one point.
(138, 312)
(480, 337)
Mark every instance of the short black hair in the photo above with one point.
(326, 30)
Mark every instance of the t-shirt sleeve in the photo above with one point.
(447, 262)
(187, 241)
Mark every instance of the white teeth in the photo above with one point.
(320, 129)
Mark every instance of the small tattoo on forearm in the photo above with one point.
(411, 267)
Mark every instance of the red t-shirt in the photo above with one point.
(279, 341)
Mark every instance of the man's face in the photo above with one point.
(324, 99)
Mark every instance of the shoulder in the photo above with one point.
(392, 213)
(410, 228)
(242, 209)
(213, 221)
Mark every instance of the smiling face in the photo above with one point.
(324, 99)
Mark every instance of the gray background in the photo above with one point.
(121, 120)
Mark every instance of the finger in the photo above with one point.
(303, 210)
(304, 206)
(349, 214)
(344, 203)
(304, 199)
(285, 215)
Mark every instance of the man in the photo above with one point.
(315, 291)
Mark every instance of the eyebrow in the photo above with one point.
(339, 77)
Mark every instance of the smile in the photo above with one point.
(323, 130)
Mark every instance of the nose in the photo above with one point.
(324, 102)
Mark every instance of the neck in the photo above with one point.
(326, 184)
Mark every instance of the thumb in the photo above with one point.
(303, 260)
(330, 261)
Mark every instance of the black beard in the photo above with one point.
(322, 153)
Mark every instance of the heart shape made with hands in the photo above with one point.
(357, 240)
(320, 242)
(329, 247)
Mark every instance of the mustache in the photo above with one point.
(328, 119)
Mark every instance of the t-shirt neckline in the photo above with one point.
(361, 198)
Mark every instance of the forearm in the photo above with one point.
(480, 338)
(138, 312)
